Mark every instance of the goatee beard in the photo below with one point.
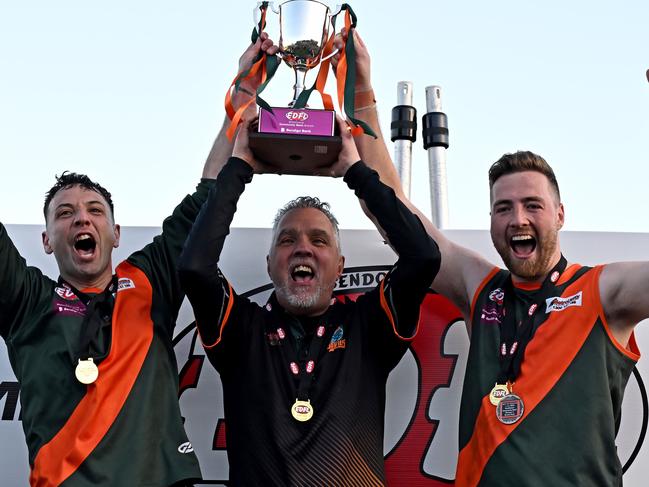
(300, 301)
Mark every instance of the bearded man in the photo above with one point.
(304, 375)
(552, 343)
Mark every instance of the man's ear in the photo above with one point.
(341, 265)
(561, 216)
(46, 243)
(118, 233)
(268, 265)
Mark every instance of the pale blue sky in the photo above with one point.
(131, 93)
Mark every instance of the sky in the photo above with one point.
(131, 93)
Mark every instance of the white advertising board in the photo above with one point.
(423, 391)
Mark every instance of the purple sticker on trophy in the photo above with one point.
(296, 122)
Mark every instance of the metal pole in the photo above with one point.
(435, 135)
(404, 133)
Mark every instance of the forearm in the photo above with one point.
(419, 257)
(222, 147)
(404, 230)
(374, 151)
(198, 267)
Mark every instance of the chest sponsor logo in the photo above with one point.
(125, 283)
(337, 340)
(65, 293)
(559, 304)
(69, 308)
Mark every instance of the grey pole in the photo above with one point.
(435, 135)
(403, 133)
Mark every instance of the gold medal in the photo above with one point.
(302, 410)
(498, 393)
(86, 371)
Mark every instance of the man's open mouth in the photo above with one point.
(522, 245)
(85, 244)
(302, 273)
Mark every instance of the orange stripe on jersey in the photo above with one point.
(223, 322)
(132, 333)
(547, 357)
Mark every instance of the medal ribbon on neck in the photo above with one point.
(99, 310)
(516, 331)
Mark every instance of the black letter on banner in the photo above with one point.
(11, 390)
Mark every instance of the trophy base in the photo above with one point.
(296, 154)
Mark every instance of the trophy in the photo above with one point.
(296, 139)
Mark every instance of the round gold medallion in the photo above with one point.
(302, 410)
(86, 371)
(498, 393)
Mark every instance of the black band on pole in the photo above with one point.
(404, 123)
(435, 130)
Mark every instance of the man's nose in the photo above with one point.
(303, 247)
(81, 217)
(519, 216)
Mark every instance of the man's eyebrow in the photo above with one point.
(319, 232)
(527, 199)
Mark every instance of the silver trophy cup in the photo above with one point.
(304, 29)
(305, 140)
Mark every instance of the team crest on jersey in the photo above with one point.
(125, 283)
(559, 304)
(65, 293)
(337, 340)
(497, 296)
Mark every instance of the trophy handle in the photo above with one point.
(332, 17)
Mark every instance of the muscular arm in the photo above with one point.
(419, 257)
(462, 270)
(198, 267)
(623, 291)
(222, 147)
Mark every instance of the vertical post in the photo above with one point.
(404, 132)
(435, 135)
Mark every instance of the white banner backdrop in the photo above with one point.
(423, 391)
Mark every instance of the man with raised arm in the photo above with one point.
(304, 375)
(92, 351)
(552, 343)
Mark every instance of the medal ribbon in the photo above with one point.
(266, 64)
(514, 337)
(304, 377)
(99, 310)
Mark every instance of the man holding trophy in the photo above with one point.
(304, 375)
(551, 341)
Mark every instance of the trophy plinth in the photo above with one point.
(296, 141)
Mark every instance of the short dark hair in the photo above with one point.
(522, 161)
(69, 179)
(308, 202)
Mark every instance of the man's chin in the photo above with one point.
(524, 268)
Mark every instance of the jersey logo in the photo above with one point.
(185, 447)
(497, 296)
(559, 304)
(69, 309)
(125, 283)
(66, 293)
(337, 340)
